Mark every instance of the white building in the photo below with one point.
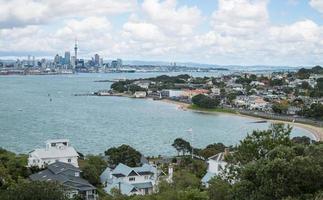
(140, 94)
(130, 180)
(216, 165)
(56, 150)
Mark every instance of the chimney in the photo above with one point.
(170, 170)
(226, 151)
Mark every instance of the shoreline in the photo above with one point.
(317, 132)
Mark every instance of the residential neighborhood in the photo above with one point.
(297, 94)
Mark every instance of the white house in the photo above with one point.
(216, 165)
(140, 94)
(130, 180)
(56, 150)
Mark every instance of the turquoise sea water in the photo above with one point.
(93, 124)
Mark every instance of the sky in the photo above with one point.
(224, 32)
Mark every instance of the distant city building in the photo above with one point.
(114, 64)
(73, 62)
(119, 63)
(56, 150)
(97, 59)
(67, 58)
(75, 52)
(56, 59)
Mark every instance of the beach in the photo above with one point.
(317, 132)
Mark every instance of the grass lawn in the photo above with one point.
(223, 110)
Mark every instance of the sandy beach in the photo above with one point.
(316, 131)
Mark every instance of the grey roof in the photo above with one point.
(143, 185)
(207, 177)
(60, 167)
(125, 188)
(65, 174)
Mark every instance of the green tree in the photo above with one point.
(258, 144)
(123, 154)
(212, 149)
(280, 108)
(219, 189)
(204, 101)
(182, 145)
(184, 179)
(34, 191)
(92, 168)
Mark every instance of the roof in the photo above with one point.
(61, 172)
(55, 152)
(217, 157)
(57, 141)
(220, 157)
(60, 167)
(143, 185)
(105, 175)
(207, 177)
(122, 169)
(125, 188)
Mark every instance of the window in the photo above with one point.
(146, 177)
(53, 144)
(132, 179)
(69, 160)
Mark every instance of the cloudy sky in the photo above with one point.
(245, 32)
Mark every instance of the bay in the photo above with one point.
(36, 108)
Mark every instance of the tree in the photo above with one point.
(119, 86)
(268, 165)
(280, 108)
(92, 168)
(219, 189)
(211, 150)
(204, 101)
(123, 154)
(258, 144)
(184, 179)
(182, 145)
(34, 191)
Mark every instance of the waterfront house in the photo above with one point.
(130, 180)
(56, 150)
(192, 93)
(69, 176)
(140, 94)
(216, 164)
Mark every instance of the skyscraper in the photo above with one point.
(75, 52)
(97, 59)
(67, 58)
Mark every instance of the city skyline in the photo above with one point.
(224, 32)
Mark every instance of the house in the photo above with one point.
(69, 176)
(192, 93)
(171, 93)
(143, 83)
(140, 94)
(130, 180)
(56, 150)
(216, 165)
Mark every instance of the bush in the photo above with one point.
(204, 101)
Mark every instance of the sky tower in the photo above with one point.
(75, 51)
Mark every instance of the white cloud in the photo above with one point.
(28, 12)
(143, 31)
(240, 17)
(238, 31)
(174, 20)
(317, 4)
